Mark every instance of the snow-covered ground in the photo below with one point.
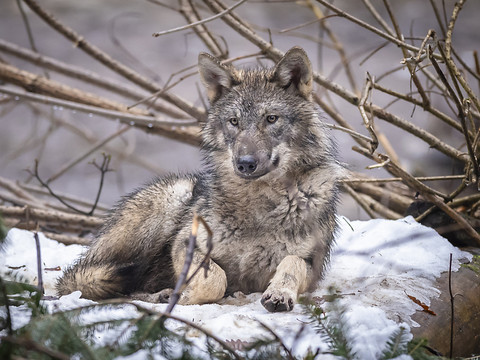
(375, 266)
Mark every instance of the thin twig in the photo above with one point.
(417, 131)
(165, 88)
(68, 197)
(397, 179)
(411, 67)
(379, 165)
(461, 114)
(103, 170)
(201, 22)
(81, 157)
(438, 17)
(39, 264)
(344, 126)
(360, 200)
(452, 306)
(183, 280)
(28, 28)
(337, 45)
(437, 113)
(369, 27)
(448, 55)
(378, 17)
(190, 13)
(353, 133)
(278, 339)
(368, 121)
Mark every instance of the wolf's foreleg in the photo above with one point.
(205, 287)
(290, 279)
(201, 289)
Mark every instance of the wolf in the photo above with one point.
(268, 191)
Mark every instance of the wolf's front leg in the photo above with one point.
(201, 289)
(290, 280)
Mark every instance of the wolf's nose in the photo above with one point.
(246, 164)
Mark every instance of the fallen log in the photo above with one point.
(464, 339)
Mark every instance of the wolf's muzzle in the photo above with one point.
(247, 164)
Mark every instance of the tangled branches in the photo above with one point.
(384, 119)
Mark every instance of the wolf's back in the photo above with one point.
(132, 252)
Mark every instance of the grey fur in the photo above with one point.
(269, 193)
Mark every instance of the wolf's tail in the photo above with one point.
(95, 281)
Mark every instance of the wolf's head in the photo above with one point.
(261, 121)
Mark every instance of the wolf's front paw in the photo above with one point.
(278, 300)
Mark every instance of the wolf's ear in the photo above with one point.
(215, 76)
(295, 70)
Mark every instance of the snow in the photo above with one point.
(375, 265)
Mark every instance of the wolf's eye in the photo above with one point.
(272, 118)
(233, 121)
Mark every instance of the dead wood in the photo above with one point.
(466, 322)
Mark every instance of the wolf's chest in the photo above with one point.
(249, 263)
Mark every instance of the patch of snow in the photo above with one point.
(374, 266)
(19, 258)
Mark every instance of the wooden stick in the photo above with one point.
(33, 214)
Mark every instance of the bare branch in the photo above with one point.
(461, 114)
(378, 17)
(360, 200)
(429, 194)
(448, 55)
(55, 216)
(371, 28)
(103, 170)
(411, 67)
(190, 134)
(200, 22)
(112, 64)
(87, 76)
(337, 45)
